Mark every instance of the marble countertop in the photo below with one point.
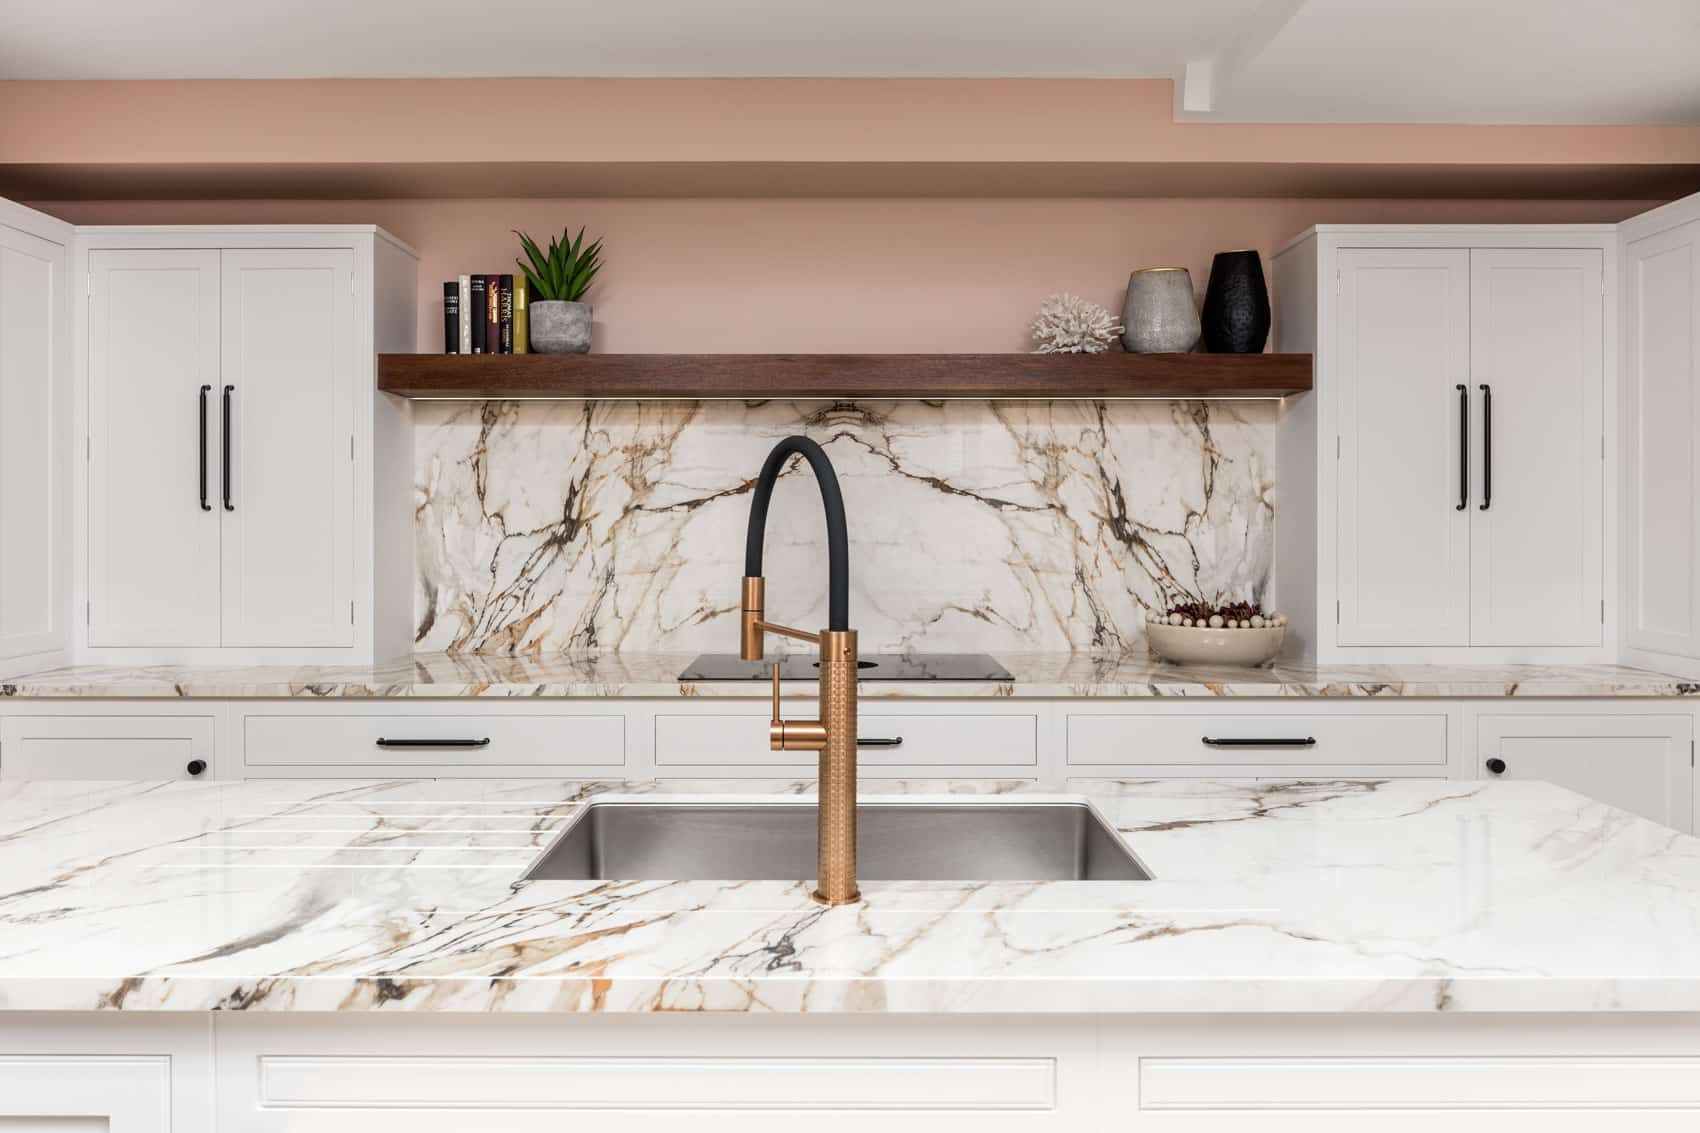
(639, 675)
(1269, 897)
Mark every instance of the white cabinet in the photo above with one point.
(1661, 435)
(1536, 538)
(235, 445)
(153, 374)
(108, 745)
(1403, 340)
(1642, 764)
(1459, 426)
(520, 738)
(35, 369)
(288, 370)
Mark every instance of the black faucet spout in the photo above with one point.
(837, 535)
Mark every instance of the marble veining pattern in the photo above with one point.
(650, 675)
(548, 526)
(1364, 896)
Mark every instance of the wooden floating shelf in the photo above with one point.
(919, 377)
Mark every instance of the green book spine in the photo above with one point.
(522, 315)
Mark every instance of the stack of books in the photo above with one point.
(485, 314)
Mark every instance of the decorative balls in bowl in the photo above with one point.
(1196, 633)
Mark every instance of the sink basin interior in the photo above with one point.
(1005, 841)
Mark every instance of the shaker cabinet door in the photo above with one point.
(288, 392)
(1642, 764)
(33, 411)
(153, 370)
(1402, 352)
(1661, 378)
(1536, 359)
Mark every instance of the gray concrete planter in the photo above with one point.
(560, 327)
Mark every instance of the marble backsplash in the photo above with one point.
(546, 526)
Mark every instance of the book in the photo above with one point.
(466, 314)
(451, 317)
(477, 314)
(492, 314)
(507, 312)
(522, 316)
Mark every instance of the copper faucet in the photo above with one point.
(833, 734)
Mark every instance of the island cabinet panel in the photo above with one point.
(1259, 740)
(386, 738)
(1642, 763)
(143, 746)
(71, 1073)
(1564, 1073)
(736, 1074)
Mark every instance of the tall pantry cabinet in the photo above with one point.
(237, 457)
(1448, 477)
(35, 433)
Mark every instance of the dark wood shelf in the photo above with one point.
(750, 377)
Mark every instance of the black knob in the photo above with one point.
(196, 766)
(1496, 765)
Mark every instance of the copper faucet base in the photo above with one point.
(820, 898)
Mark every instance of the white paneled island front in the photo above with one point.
(356, 955)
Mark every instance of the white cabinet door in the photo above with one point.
(1536, 355)
(1642, 764)
(1662, 438)
(107, 747)
(153, 343)
(32, 409)
(288, 375)
(1402, 539)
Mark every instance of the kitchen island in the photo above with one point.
(357, 955)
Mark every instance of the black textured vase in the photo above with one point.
(1236, 305)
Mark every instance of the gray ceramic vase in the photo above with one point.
(559, 327)
(1159, 316)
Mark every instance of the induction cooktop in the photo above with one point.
(874, 667)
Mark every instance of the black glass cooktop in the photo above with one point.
(874, 666)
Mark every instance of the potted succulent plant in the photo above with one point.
(558, 279)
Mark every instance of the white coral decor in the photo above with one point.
(1068, 324)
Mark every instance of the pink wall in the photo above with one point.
(826, 275)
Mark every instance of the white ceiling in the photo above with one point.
(1571, 61)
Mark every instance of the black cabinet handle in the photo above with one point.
(485, 742)
(196, 766)
(1496, 765)
(224, 440)
(1487, 445)
(1272, 741)
(877, 741)
(205, 506)
(1463, 446)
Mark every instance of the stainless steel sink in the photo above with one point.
(897, 841)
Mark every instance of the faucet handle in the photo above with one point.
(792, 735)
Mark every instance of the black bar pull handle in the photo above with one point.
(1271, 741)
(205, 506)
(485, 742)
(224, 440)
(878, 741)
(1463, 446)
(1487, 445)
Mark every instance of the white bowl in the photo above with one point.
(1195, 645)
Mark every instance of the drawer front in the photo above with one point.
(106, 747)
(941, 741)
(1257, 741)
(419, 740)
